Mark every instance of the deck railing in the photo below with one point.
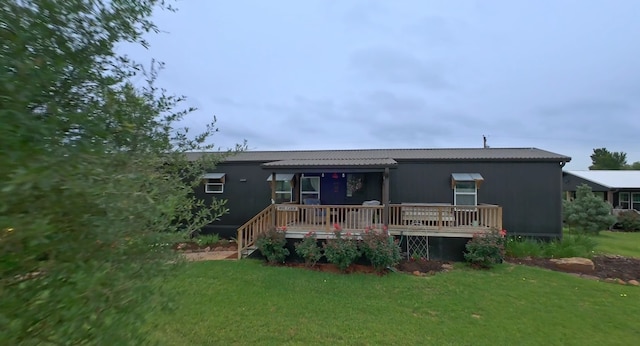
(440, 216)
(326, 217)
(356, 218)
(258, 224)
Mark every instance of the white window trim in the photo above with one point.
(302, 192)
(628, 201)
(284, 192)
(284, 177)
(214, 182)
(208, 186)
(474, 194)
(631, 200)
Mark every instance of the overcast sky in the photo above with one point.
(563, 76)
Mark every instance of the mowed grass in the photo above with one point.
(246, 302)
(619, 243)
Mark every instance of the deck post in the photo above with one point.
(273, 199)
(385, 196)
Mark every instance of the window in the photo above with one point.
(309, 188)
(465, 193)
(214, 182)
(635, 201)
(284, 188)
(623, 200)
(465, 188)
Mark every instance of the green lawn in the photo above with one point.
(619, 243)
(245, 302)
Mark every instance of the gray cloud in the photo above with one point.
(432, 30)
(395, 67)
(587, 108)
(333, 74)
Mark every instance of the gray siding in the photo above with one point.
(529, 192)
(244, 198)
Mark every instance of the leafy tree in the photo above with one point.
(93, 177)
(634, 166)
(604, 159)
(588, 213)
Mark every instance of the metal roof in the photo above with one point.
(213, 175)
(282, 177)
(466, 176)
(502, 154)
(624, 179)
(355, 162)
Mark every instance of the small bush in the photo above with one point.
(629, 221)
(575, 245)
(341, 251)
(486, 249)
(520, 247)
(210, 239)
(587, 213)
(380, 249)
(309, 250)
(571, 245)
(271, 245)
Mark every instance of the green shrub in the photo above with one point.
(271, 245)
(629, 221)
(588, 213)
(520, 247)
(571, 245)
(486, 249)
(342, 250)
(309, 250)
(380, 249)
(209, 239)
(574, 245)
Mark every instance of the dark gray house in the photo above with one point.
(434, 200)
(621, 188)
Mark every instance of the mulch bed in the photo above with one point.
(606, 267)
(609, 268)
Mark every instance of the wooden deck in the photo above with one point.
(407, 219)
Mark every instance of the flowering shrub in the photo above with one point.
(486, 249)
(272, 245)
(309, 250)
(629, 221)
(341, 251)
(380, 248)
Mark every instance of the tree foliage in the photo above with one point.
(588, 213)
(604, 159)
(93, 176)
(634, 166)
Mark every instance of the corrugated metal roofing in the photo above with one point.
(282, 177)
(213, 175)
(625, 179)
(466, 176)
(364, 162)
(398, 154)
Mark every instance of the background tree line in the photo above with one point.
(602, 159)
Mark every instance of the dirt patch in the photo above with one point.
(191, 246)
(210, 256)
(606, 267)
(207, 252)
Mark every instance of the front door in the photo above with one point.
(334, 188)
